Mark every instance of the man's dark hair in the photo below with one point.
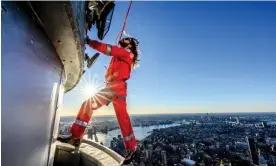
(134, 49)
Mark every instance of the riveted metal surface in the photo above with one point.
(31, 73)
(64, 24)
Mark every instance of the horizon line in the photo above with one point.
(182, 113)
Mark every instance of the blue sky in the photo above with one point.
(196, 57)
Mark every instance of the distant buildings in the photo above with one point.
(212, 140)
(271, 123)
(262, 161)
(188, 162)
(65, 129)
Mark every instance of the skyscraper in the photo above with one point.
(217, 144)
(253, 150)
(237, 120)
(227, 147)
(147, 155)
(221, 163)
(95, 134)
(106, 129)
(164, 158)
(150, 151)
(90, 133)
(112, 144)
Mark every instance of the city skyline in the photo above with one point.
(218, 58)
(207, 139)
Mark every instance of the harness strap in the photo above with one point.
(120, 97)
(108, 97)
(109, 100)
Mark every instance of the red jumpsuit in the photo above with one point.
(115, 91)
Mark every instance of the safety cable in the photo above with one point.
(124, 26)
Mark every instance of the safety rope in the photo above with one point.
(124, 26)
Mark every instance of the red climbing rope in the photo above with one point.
(124, 26)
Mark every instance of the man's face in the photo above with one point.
(125, 43)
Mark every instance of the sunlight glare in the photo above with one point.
(90, 90)
(89, 86)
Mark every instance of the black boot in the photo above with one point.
(64, 139)
(70, 140)
(91, 60)
(130, 157)
(86, 57)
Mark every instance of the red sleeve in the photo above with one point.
(108, 49)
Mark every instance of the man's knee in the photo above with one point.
(91, 104)
(94, 105)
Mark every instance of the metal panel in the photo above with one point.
(30, 69)
(65, 28)
(55, 122)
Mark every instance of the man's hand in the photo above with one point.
(87, 40)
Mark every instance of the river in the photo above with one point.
(140, 133)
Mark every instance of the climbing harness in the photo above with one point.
(108, 93)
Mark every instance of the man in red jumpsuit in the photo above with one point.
(123, 59)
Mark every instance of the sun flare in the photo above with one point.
(89, 90)
(89, 86)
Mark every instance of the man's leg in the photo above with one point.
(120, 106)
(86, 111)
